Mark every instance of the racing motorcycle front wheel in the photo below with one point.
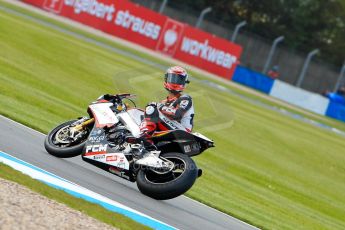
(163, 186)
(59, 142)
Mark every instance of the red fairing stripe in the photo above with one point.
(95, 153)
(162, 127)
(102, 101)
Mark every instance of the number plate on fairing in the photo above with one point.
(103, 114)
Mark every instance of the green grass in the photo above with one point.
(93, 210)
(267, 169)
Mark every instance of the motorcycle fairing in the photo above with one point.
(129, 123)
(179, 140)
(103, 114)
(137, 115)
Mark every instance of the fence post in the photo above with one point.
(340, 78)
(270, 54)
(162, 7)
(237, 28)
(202, 15)
(305, 67)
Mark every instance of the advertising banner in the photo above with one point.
(145, 27)
(120, 18)
(204, 50)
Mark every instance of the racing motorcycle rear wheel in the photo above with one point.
(59, 144)
(163, 186)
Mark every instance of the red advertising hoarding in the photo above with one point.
(152, 30)
(216, 55)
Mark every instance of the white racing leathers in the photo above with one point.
(172, 113)
(179, 112)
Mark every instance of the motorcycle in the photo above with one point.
(162, 171)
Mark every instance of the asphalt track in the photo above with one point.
(182, 212)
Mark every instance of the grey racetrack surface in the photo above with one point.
(182, 212)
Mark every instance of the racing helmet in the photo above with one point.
(175, 79)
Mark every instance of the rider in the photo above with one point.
(175, 112)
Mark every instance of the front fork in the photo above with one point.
(76, 131)
(84, 124)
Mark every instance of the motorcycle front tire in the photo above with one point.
(65, 152)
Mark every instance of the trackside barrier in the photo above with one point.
(80, 192)
(336, 110)
(152, 30)
(253, 79)
(333, 107)
(300, 97)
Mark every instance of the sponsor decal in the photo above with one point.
(187, 148)
(137, 24)
(205, 51)
(168, 109)
(93, 8)
(171, 36)
(121, 165)
(98, 157)
(169, 122)
(184, 104)
(96, 148)
(172, 124)
(53, 5)
(96, 138)
(111, 158)
(118, 160)
(115, 157)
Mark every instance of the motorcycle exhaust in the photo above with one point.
(199, 172)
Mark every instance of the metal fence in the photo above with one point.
(319, 76)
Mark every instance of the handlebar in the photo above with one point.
(118, 98)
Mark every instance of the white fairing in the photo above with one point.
(202, 136)
(129, 123)
(104, 115)
(151, 160)
(137, 115)
(115, 159)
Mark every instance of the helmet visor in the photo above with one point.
(175, 78)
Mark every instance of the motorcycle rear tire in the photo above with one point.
(169, 189)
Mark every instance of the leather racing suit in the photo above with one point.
(172, 113)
